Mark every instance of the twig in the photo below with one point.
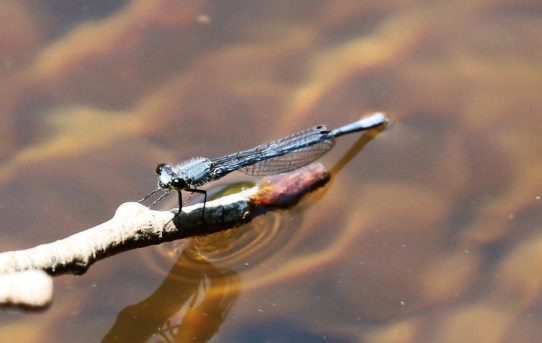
(30, 289)
(134, 225)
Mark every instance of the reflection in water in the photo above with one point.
(190, 305)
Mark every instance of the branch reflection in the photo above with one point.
(190, 305)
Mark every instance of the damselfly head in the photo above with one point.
(168, 179)
(165, 175)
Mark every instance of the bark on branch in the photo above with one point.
(135, 226)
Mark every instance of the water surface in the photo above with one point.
(430, 234)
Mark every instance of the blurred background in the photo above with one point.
(432, 233)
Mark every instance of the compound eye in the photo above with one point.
(159, 168)
(177, 182)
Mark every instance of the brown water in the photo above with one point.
(432, 233)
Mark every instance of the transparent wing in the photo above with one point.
(278, 156)
(290, 161)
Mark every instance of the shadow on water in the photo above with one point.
(356, 148)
